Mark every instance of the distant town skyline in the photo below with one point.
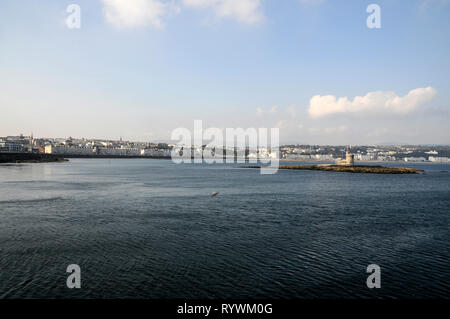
(121, 139)
(84, 147)
(312, 68)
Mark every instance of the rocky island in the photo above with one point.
(348, 165)
(368, 169)
(355, 169)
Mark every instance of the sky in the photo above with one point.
(138, 69)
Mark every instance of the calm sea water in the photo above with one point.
(150, 229)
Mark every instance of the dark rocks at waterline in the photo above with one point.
(30, 158)
(351, 169)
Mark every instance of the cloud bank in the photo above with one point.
(262, 112)
(246, 11)
(142, 13)
(372, 102)
(136, 13)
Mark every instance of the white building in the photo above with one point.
(323, 157)
(363, 157)
(68, 150)
(297, 157)
(155, 152)
(439, 159)
(414, 159)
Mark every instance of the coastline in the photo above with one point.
(30, 158)
(49, 158)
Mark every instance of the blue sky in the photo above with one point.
(138, 69)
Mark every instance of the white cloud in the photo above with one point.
(292, 111)
(372, 102)
(247, 11)
(262, 112)
(136, 13)
(281, 124)
(333, 130)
